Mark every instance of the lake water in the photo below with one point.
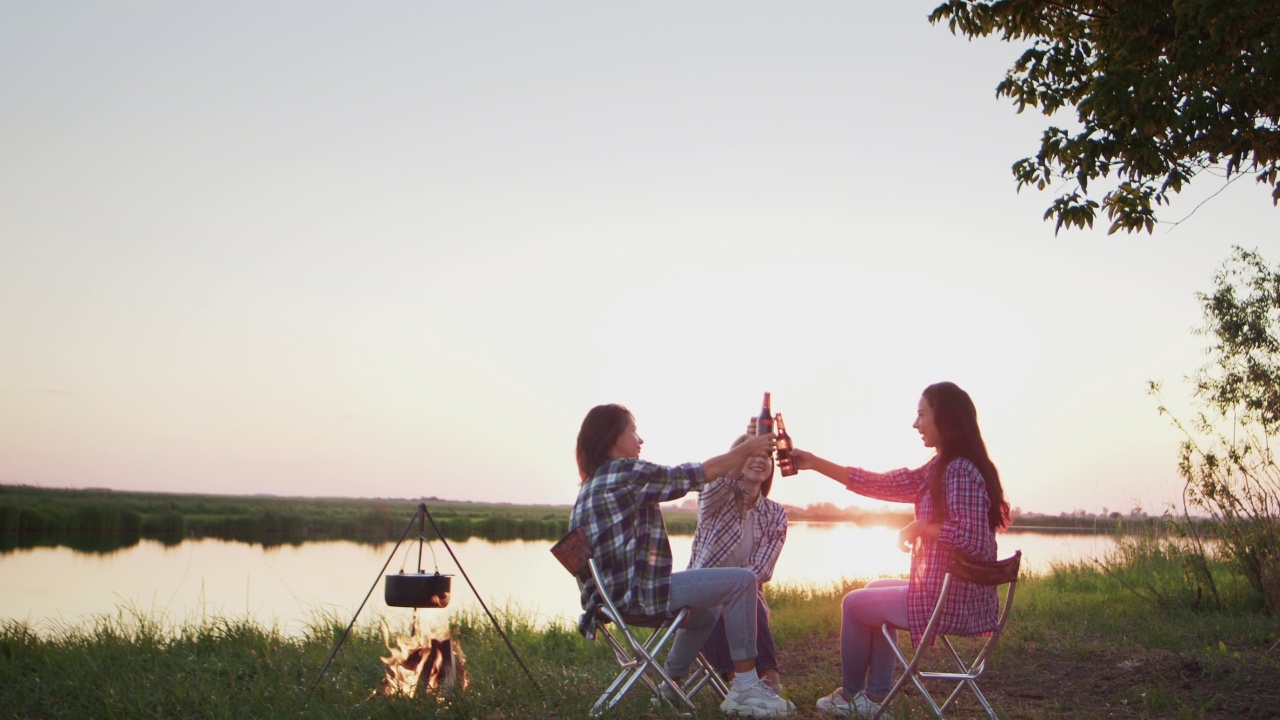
(290, 586)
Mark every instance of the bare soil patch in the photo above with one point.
(1102, 681)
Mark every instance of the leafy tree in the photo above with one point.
(1163, 90)
(1227, 461)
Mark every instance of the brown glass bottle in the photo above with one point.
(764, 423)
(786, 463)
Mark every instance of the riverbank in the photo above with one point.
(1080, 645)
(100, 520)
(103, 520)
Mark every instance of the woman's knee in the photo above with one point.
(873, 606)
(851, 600)
(744, 581)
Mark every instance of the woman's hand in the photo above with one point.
(806, 460)
(911, 534)
(731, 462)
(762, 445)
(803, 458)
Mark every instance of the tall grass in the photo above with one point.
(133, 665)
(1154, 589)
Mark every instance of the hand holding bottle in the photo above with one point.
(786, 462)
(732, 461)
(802, 458)
(757, 445)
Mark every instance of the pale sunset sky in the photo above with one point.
(399, 249)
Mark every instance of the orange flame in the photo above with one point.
(419, 661)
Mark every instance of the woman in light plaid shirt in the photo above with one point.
(739, 526)
(959, 505)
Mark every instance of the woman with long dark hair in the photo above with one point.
(618, 507)
(959, 506)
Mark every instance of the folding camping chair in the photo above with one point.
(995, 574)
(637, 657)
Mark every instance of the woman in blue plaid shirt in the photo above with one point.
(959, 505)
(617, 505)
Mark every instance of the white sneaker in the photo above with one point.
(755, 701)
(859, 706)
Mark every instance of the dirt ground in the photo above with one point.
(1088, 682)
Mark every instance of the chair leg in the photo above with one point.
(704, 675)
(613, 694)
(636, 666)
(634, 672)
(909, 668)
(631, 670)
(973, 671)
(658, 640)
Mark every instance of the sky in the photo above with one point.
(399, 249)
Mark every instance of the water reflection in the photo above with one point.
(291, 586)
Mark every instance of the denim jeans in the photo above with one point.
(717, 646)
(709, 593)
(865, 657)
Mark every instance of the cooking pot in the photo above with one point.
(418, 590)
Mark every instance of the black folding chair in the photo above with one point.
(636, 655)
(1000, 572)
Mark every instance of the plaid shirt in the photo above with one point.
(970, 609)
(618, 507)
(721, 513)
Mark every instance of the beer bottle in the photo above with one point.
(786, 463)
(764, 423)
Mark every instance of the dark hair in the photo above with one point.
(601, 428)
(767, 485)
(956, 419)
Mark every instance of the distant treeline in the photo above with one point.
(106, 520)
(1104, 524)
(897, 518)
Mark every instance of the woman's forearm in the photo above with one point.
(731, 462)
(806, 460)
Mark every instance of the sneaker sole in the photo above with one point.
(753, 712)
(827, 707)
(831, 710)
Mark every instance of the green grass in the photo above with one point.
(1076, 621)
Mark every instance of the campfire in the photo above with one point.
(422, 662)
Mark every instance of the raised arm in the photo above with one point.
(895, 486)
(806, 460)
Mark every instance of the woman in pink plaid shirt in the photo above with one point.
(959, 505)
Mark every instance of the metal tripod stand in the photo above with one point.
(423, 516)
